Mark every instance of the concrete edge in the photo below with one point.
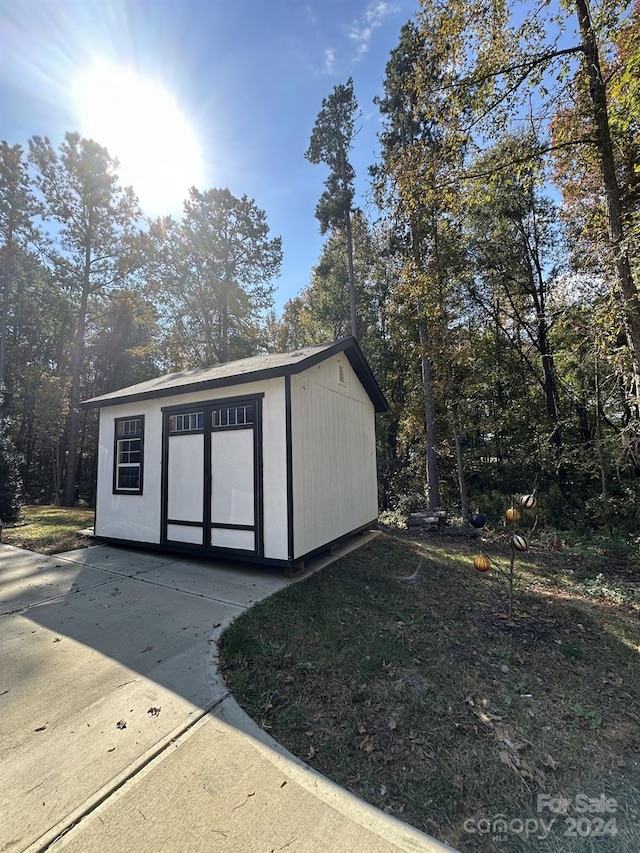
(403, 835)
(227, 710)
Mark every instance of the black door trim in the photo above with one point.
(208, 407)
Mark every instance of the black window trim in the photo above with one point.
(117, 438)
(198, 410)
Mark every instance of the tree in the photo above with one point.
(331, 141)
(321, 312)
(212, 272)
(492, 63)
(123, 343)
(419, 148)
(577, 172)
(40, 325)
(91, 247)
(514, 247)
(16, 213)
(10, 485)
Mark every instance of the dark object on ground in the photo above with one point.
(477, 519)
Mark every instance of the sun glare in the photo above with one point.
(141, 124)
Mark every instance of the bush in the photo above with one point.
(10, 483)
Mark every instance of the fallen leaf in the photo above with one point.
(121, 724)
(154, 711)
(367, 745)
(147, 649)
(41, 728)
(392, 724)
(550, 762)
(309, 733)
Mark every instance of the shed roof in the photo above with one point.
(247, 370)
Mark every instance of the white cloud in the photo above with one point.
(329, 60)
(363, 27)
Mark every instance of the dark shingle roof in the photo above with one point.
(247, 370)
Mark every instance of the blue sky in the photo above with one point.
(249, 75)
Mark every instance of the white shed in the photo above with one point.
(269, 459)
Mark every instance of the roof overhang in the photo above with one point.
(349, 346)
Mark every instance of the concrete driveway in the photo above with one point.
(116, 729)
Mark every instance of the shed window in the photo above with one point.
(233, 416)
(128, 456)
(186, 422)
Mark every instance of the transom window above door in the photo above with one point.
(186, 422)
(234, 416)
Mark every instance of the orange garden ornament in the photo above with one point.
(481, 563)
(512, 515)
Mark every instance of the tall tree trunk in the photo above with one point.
(551, 402)
(606, 514)
(598, 93)
(433, 485)
(4, 309)
(74, 405)
(76, 372)
(352, 281)
(224, 328)
(455, 422)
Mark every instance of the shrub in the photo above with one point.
(10, 483)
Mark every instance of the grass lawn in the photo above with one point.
(49, 529)
(427, 701)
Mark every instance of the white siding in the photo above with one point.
(186, 481)
(137, 517)
(232, 473)
(181, 533)
(334, 454)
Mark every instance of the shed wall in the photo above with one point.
(136, 518)
(333, 454)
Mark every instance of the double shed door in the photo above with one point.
(212, 476)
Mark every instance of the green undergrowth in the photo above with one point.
(427, 701)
